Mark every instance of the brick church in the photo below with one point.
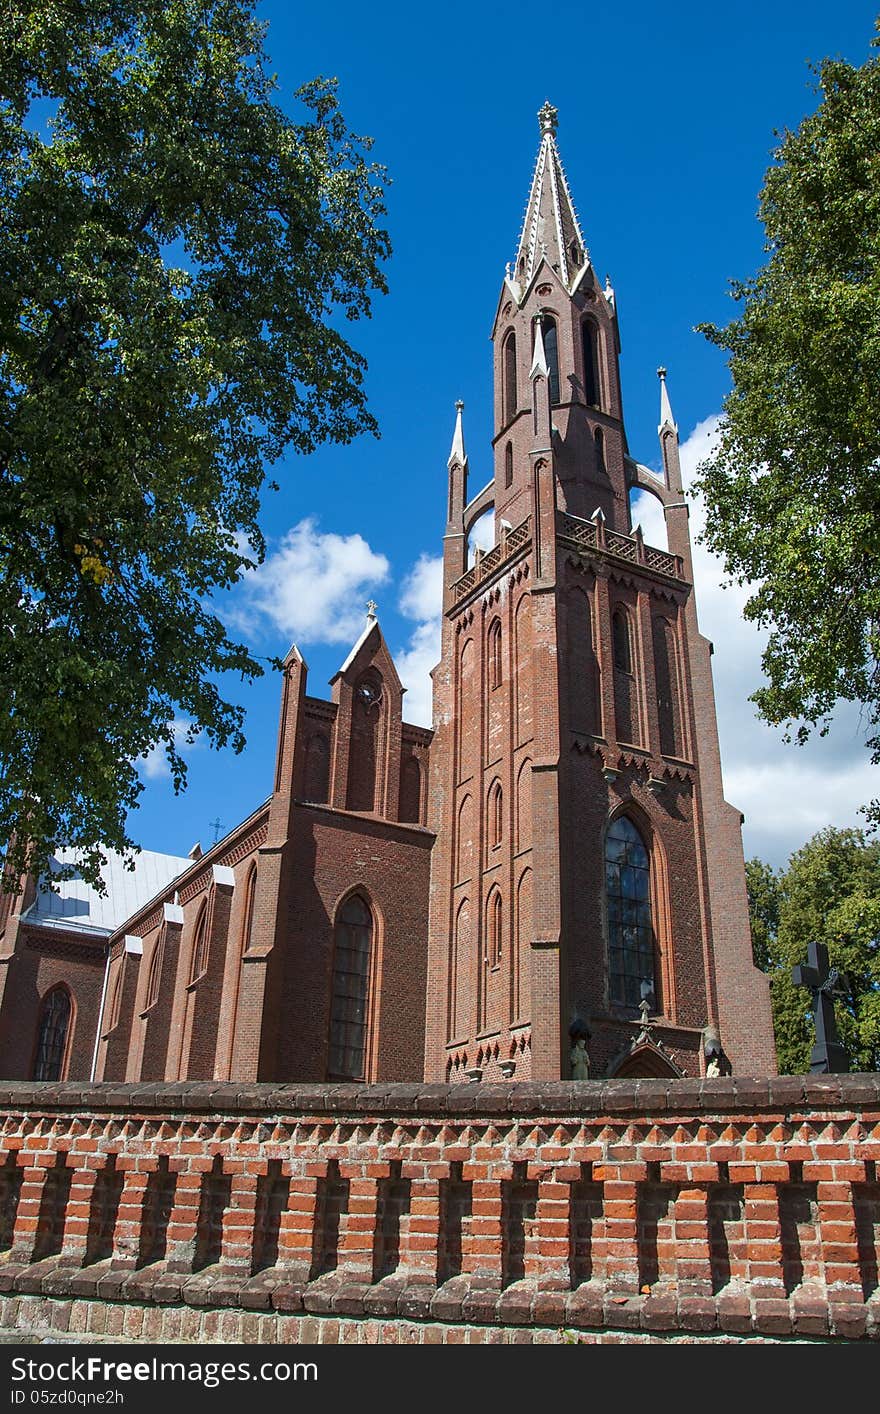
(552, 870)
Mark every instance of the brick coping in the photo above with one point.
(727, 1094)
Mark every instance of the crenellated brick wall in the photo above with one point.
(734, 1209)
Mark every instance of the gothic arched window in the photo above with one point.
(508, 465)
(52, 1029)
(510, 397)
(494, 921)
(496, 815)
(621, 641)
(200, 944)
(155, 976)
(551, 353)
(250, 897)
(628, 897)
(599, 441)
(349, 1010)
(591, 363)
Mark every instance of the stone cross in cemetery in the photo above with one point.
(827, 1055)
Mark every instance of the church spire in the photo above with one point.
(550, 229)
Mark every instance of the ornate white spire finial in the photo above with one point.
(548, 117)
(372, 606)
(458, 453)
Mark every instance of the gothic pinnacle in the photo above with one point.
(539, 358)
(666, 418)
(458, 453)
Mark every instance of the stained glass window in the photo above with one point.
(628, 893)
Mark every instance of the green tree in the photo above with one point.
(762, 883)
(175, 255)
(830, 893)
(791, 491)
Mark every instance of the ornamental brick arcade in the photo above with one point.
(336, 1048)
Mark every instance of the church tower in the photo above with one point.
(588, 873)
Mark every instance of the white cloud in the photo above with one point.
(422, 593)
(786, 792)
(154, 764)
(312, 587)
(421, 598)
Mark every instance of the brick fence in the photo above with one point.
(620, 1210)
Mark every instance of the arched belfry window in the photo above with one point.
(591, 363)
(508, 465)
(510, 397)
(551, 353)
(349, 1011)
(628, 897)
(52, 1029)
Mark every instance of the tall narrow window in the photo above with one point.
(496, 815)
(551, 353)
(508, 465)
(250, 901)
(622, 647)
(599, 441)
(351, 991)
(155, 976)
(116, 1003)
(628, 894)
(666, 678)
(510, 398)
(52, 1031)
(591, 370)
(200, 944)
(495, 654)
(494, 922)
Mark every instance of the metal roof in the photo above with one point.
(74, 903)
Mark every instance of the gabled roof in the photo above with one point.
(73, 904)
(550, 227)
(372, 623)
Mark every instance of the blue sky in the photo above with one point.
(666, 125)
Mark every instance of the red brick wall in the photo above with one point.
(43, 958)
(739, 1208)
